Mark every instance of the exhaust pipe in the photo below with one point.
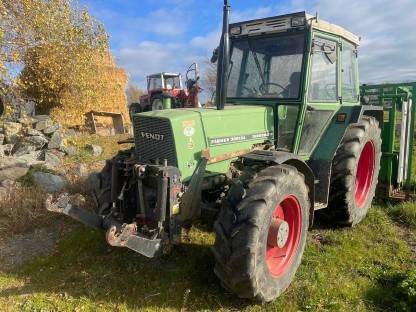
(223, 60)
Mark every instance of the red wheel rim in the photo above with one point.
(365, 173)
(279, 259)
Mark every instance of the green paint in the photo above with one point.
(391, 97)
(193, 129)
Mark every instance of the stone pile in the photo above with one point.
(32, 141)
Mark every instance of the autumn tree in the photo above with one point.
(63, 52)
(133, 93)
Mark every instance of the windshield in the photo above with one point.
(267, 67)
(172, 82)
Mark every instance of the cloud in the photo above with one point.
(386, 53)
(208, 42)
(163, 22)
(388, 39)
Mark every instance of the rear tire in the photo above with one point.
(355, 171)
(247, 261)
(100, 187)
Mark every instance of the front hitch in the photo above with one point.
(117, 235)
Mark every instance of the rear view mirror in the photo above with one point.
(365, 100)
(214, 57)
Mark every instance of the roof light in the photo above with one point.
(235, 31)
(298, 21)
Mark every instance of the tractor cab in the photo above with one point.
(166, 90)
(164, 82)
(160, 85)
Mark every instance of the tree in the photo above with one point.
(133, 93)
(209, 80)
(62, 50)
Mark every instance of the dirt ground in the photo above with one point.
(21, 248)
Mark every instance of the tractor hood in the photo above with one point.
(179, 135)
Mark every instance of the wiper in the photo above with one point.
(256, 60)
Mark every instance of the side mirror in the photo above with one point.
(214, 57)
(365, 100)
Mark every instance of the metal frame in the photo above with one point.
(391, 97)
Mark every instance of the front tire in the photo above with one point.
(355, 170)
(157, 103)
(261, 233)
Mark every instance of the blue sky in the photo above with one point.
(149, 36)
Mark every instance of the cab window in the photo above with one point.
(323, 82)
(349, 72)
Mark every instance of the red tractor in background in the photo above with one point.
(165, 90)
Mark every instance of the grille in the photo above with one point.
(153, 139)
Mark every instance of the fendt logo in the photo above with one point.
(152, 136)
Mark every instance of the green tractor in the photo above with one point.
(289, 135)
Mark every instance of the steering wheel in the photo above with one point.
(263, 86)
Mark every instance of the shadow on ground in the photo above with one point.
(84, 266)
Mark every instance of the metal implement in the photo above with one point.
(397, 100)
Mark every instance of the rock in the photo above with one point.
(2, 154)
(13, 173)
(24, 161)
(30, 159)
(52, 129)
(72, 133)
(57, 141)
(34, 132)
(52, 160)
(30, 144)
(70, 150)
(96, 150)
(44, 124)
(80, 170)
(27, 121)
(12, 131)
(49, 182)
(1, 139)
(7, 148)
(38, 141)
(42, 117)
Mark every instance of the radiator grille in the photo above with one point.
(153, 140)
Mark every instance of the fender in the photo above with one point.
(280, 158)
(368, 110)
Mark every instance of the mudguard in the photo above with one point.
(280, 158)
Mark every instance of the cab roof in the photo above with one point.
(164, 74)
(287, 22)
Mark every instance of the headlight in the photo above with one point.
(298, 21)
(235, 31)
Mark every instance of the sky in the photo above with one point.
(150, 36)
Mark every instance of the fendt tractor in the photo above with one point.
(290, 134)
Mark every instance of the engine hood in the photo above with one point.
(235, 128)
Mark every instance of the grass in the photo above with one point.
(371, 267)
(109, 145)
(342, 270)
(404, 213)
(25, 212)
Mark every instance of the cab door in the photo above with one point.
(323, 94)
